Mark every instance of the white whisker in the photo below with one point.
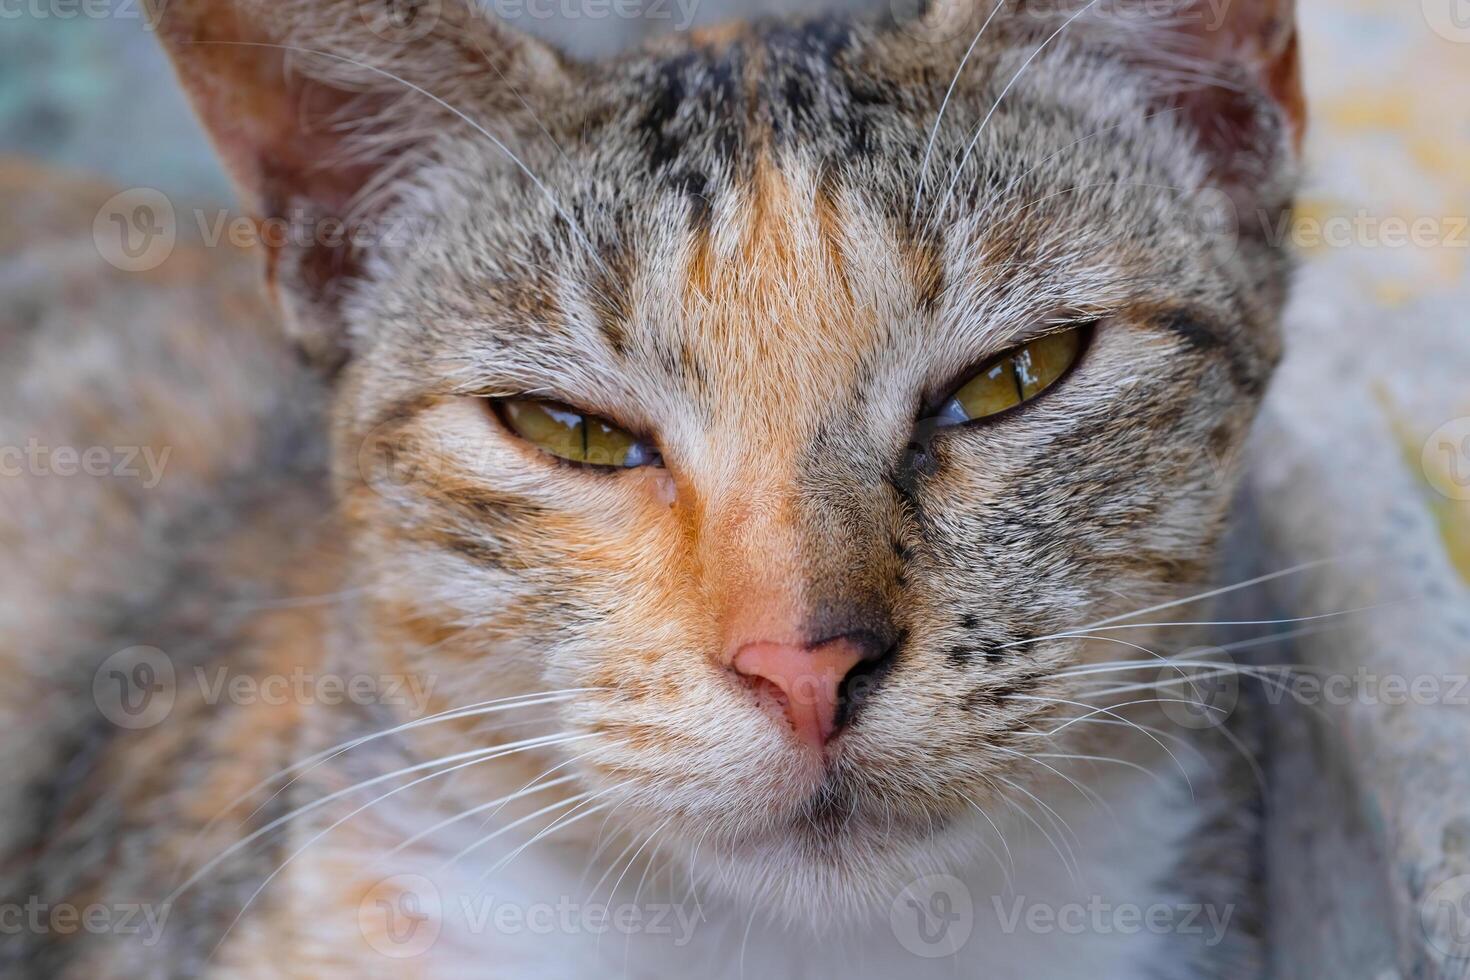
(944, 104)
(970, 148)
(373, 802)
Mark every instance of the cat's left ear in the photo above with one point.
(1236, 79)
(1227, 70)
(319, 107)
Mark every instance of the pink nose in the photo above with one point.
(804, 681)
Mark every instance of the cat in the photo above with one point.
(721, 518)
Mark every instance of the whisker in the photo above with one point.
(1225, 590)
(1104, 758)
(613, 864)
(564, 821)
(613, 893)
(326, 755)
(502, 801)
(1087, 794)
(1254, 673)
(1126, 723)
(1118, 666)
(944, 105)
(1062, 826)
(473, 756)
(1254, 622)
(970, 148)
(1071, 872)
(1010, 859)
(577, 798)
(637, 894)
(1110, 711)
(304, 847)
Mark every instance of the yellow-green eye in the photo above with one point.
(1015, 378)
(575, 436)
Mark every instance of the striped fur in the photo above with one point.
(742, 244)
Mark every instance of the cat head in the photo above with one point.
(784, 388)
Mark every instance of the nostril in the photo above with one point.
(767, 690)
(811, 685)
(863, 681)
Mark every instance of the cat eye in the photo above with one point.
(1014, 378)
(562, 431)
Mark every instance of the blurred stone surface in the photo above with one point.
(1359, 458)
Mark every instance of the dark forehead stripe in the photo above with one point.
(693, 122)
(715, 107)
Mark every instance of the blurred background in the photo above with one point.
(84, 84)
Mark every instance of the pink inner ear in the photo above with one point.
(1251, 47)
(1260, 37)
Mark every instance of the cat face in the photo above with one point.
(720, 382)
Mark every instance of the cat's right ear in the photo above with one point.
(319, 107)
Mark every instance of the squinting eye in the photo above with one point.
(568, 434)
(1015, 378)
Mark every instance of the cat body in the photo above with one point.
(760, 258)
